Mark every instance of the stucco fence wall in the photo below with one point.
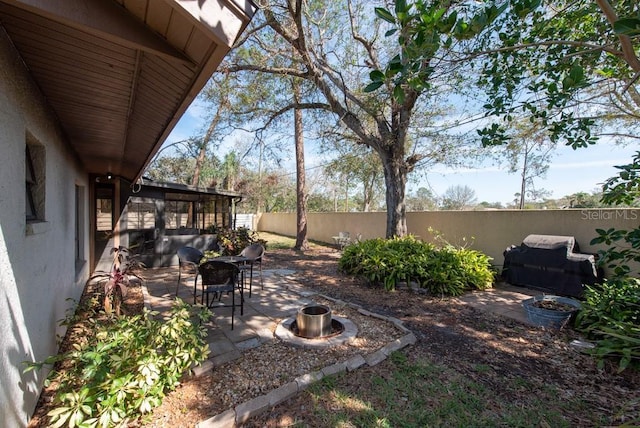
(489, 231)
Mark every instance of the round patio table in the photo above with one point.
(236, 260)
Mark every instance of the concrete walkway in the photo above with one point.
(504, 299)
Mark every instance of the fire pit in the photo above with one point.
(313, 321)
(315, 327)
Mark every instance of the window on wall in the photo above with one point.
(192, 212)
(34, 180)
(141, 223)
(206, 214)
(79, 229)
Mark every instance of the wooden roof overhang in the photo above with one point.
(119, 74)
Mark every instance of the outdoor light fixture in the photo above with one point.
(106, 177)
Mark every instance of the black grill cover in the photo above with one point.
(548, 263)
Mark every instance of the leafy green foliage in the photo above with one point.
(535, 59)
(611, 311)
(123, 367)
(610, 314)
(627, 26)
(444, 270)
(233, 241)
(624, 188)
(423, 29)
(624, 245)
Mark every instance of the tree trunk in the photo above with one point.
(301, 194)
(367, 193)
(523, 182)
(387, 136)
(395, 177)
(202, 154)
(346, 196)
(260, 201)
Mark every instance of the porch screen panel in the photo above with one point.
(177, 214)
(141, 214)
(206, 214)
(104, 214)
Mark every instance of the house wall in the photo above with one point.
(38, 269)
(490, 231)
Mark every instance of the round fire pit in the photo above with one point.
(314, 321)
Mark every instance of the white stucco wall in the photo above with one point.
(37, 263)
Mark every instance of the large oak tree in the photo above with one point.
(333, 47)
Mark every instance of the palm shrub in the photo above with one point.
(442, 270)
(123, 367)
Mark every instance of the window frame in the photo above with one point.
(30, 183)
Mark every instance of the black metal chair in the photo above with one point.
(216, 279)
(254, 254)
(188, 259)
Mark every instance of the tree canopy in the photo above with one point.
(562, 63)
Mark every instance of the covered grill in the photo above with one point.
(550, 263)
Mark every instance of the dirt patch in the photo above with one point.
(488, 349)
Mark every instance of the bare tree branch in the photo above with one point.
(368, 46)
(293, 106)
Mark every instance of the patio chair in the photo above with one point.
(217, 278)
(254, 253)
(188, 260)
(342, 240)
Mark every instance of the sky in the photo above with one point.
(571, 171)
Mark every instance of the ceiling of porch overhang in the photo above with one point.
(119, 74)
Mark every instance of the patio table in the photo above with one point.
(236, 260)
(239, 261)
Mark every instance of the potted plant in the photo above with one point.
(118, 279)
(548, 310)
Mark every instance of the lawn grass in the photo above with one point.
(281, 242)
(422, 394)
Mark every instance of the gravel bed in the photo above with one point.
(267, 367)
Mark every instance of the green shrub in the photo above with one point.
(610, 315)
(444, 270)
(611, 311)
(123, 367)
(233, 241)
